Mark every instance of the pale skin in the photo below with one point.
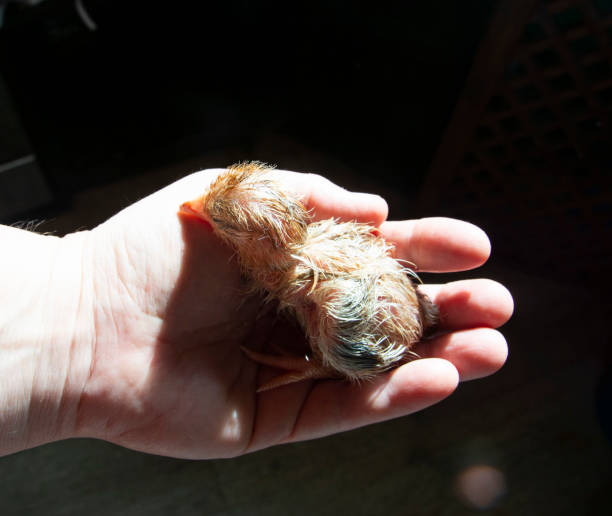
(132, 332)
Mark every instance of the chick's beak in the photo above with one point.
(194, 208)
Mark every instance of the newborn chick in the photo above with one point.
(357, 305)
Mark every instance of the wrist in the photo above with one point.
(45, 336)
(70, 338)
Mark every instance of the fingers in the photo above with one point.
(467, 353)
(471, 303)
(475, 353)
(328, 200)
(470, 309)
(434, 244)
(336, 406)
(438, 244)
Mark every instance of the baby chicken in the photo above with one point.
(358, 306)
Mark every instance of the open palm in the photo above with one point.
(170, 314)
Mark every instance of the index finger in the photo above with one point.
(438, 244)
(328, 200)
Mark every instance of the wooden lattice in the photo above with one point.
(534, 160)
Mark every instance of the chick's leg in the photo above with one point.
(299, 368)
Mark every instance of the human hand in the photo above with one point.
(168, 317)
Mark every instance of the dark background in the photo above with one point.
(361, 92)
(159, 82)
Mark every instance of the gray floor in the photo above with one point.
(535, 422)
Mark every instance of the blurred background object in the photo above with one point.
(23, 187)
(497, 112)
